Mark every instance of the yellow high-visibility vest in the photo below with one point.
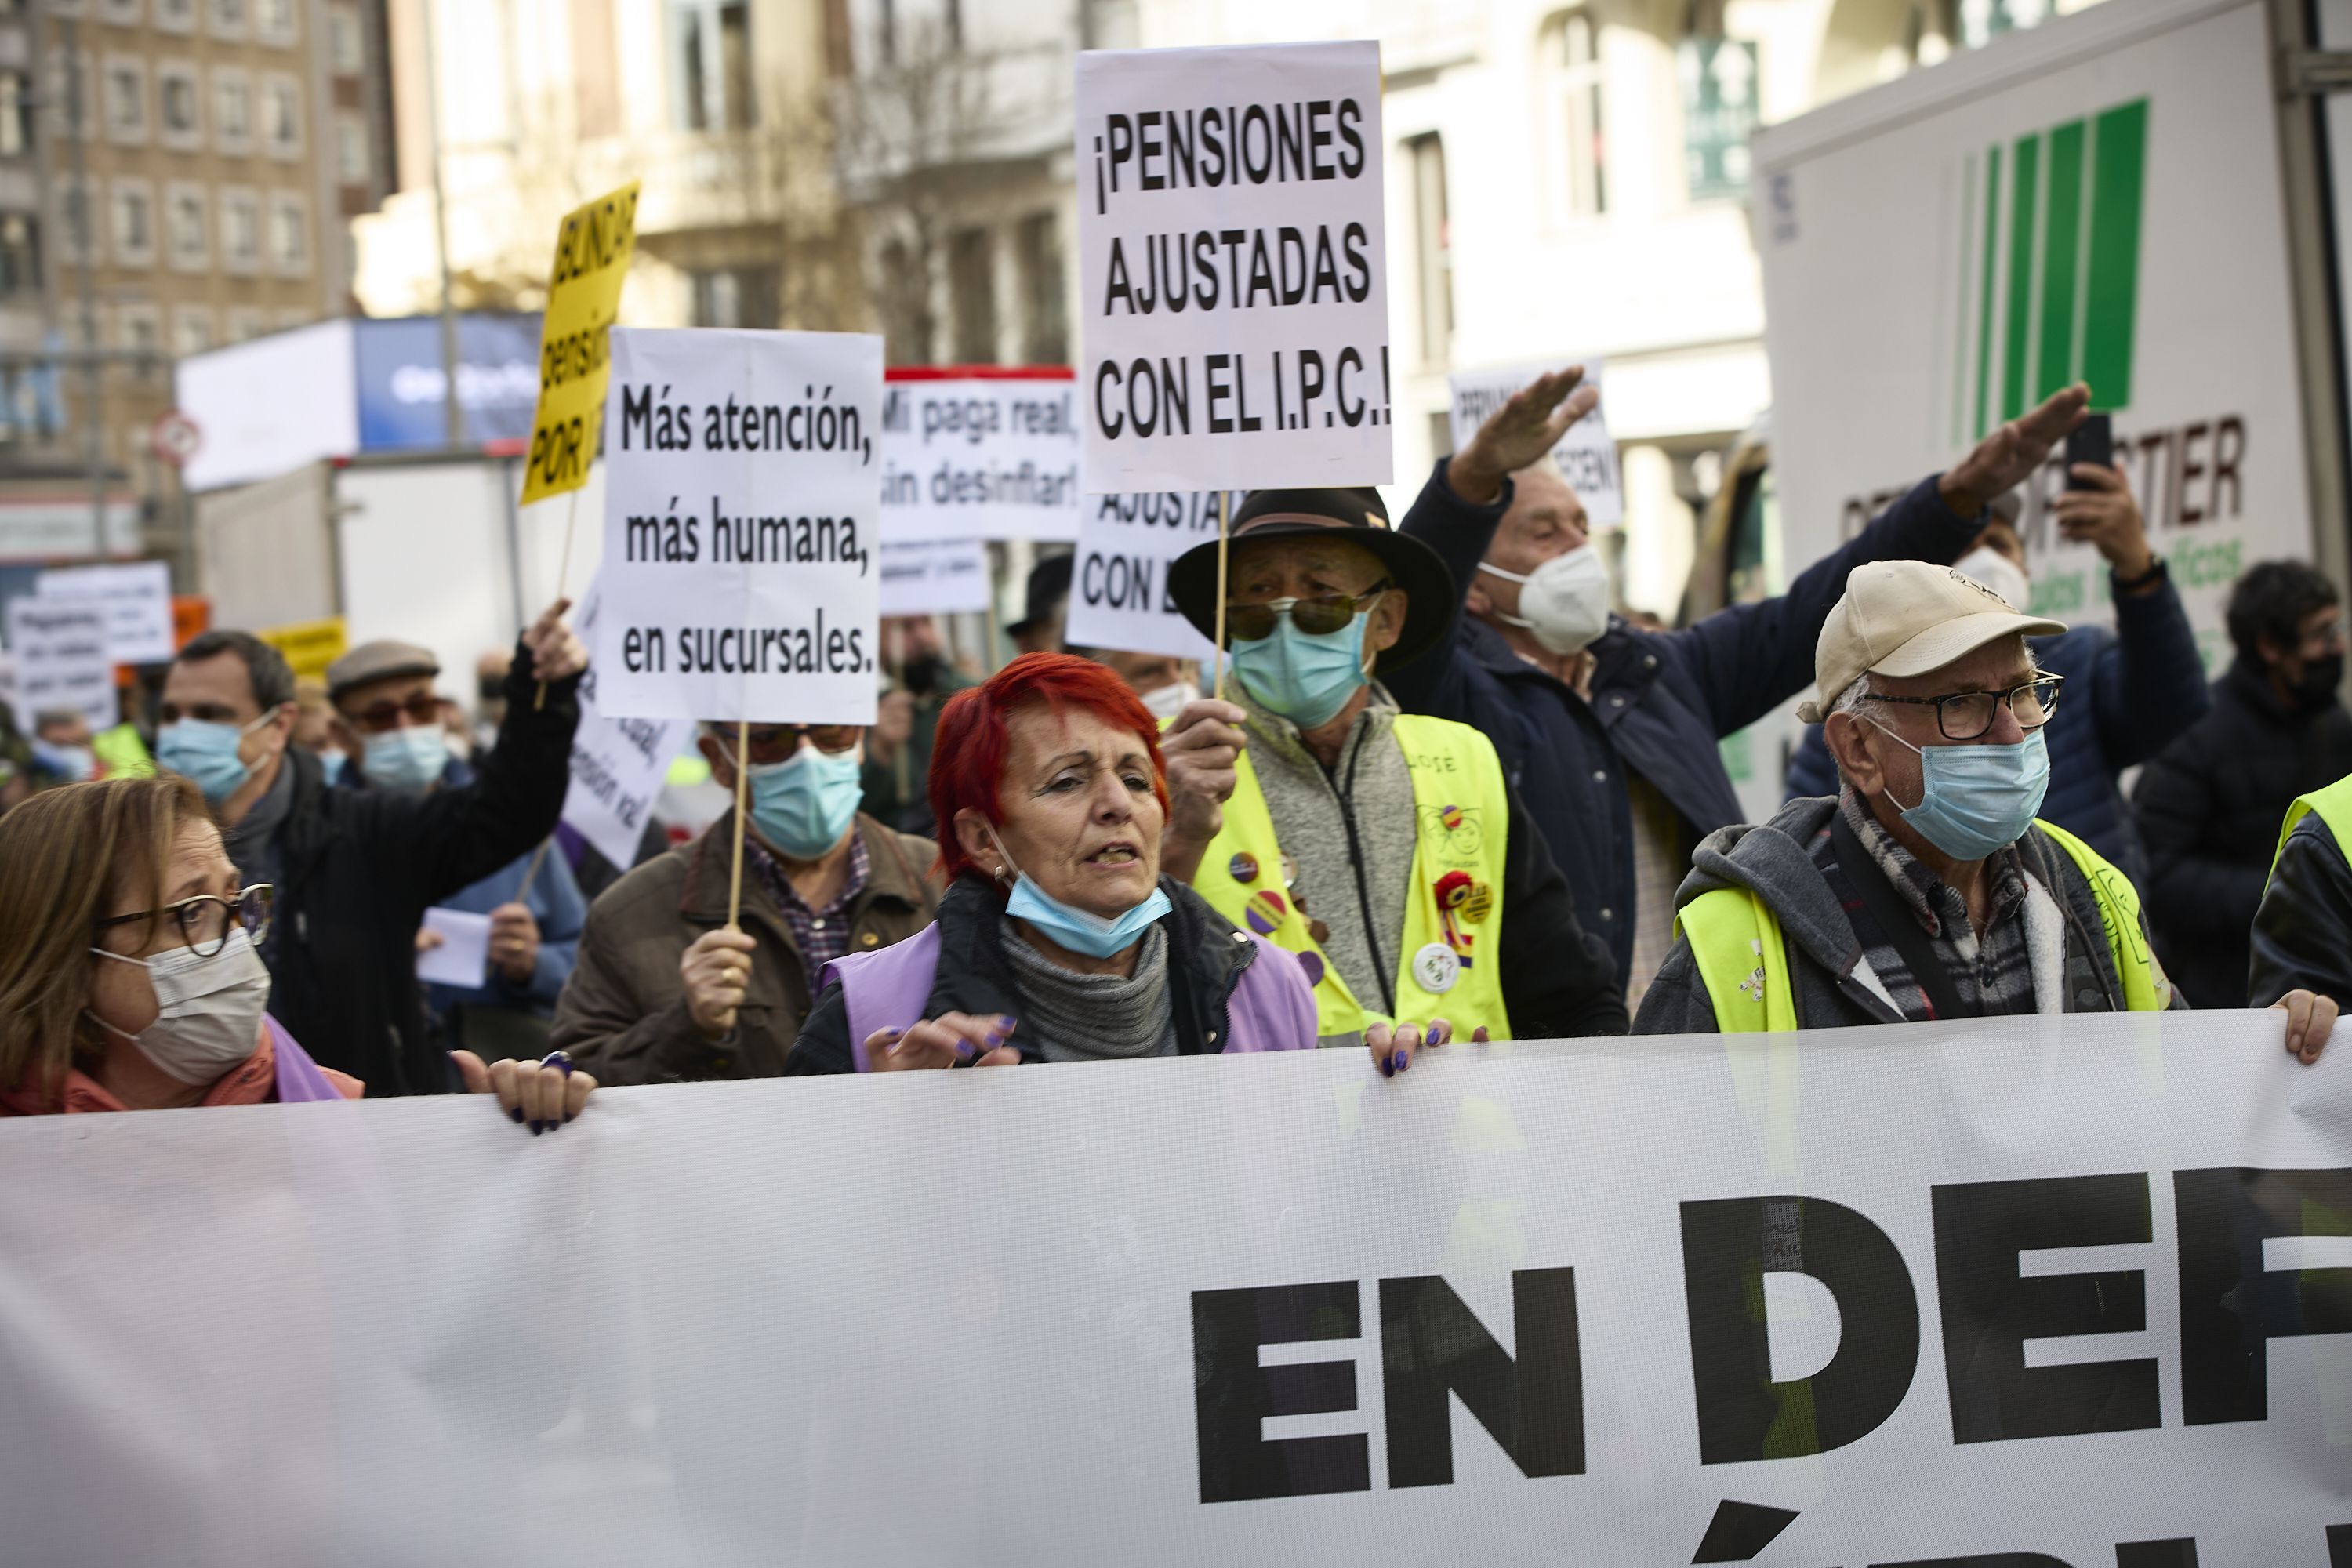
(1448, 968)
(1743, 959)
(2334, 806)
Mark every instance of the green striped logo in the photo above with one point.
(2050, 228)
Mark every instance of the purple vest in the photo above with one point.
(299, 1077)
(1271, 1009)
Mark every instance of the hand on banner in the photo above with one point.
(1202, 749)
(716, 971)
(2310, 1018)
(1393, 1047)
(2005, 458)
(2106, 517)
(556, 651)
(943, 1042)
(541, 1095)
(1519, 433)
(514, 942)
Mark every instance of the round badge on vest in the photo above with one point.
(1435, 968)
(1243, 867)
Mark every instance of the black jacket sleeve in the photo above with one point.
(1557, 979)
(2303, 931)
(2148, 682)
(1460, 535)
(439, 844)
(823, 1044)
(2190, 892)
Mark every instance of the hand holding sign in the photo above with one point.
(556, 653)
(1203, 749)
(1519, 433)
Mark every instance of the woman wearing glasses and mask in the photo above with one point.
(663, 990)
(1058, 940)
(130, 977)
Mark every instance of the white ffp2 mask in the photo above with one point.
(1564, 602)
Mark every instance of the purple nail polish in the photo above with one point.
(537, 1128)
(516, 1111)
(1403, 1061)
(1008, 1020)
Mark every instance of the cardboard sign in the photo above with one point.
(740, 493)
(1586, 455)
(1234, 268)
(617, 764)
(309, 647)
(138, 600)
(979, 454)
(946, 578)
(61, 650)
(1999, 1293)
(1118, 586)
(592, 247)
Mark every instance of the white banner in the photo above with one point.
(949, 577)
(973, 455)
(740, 492)
(2005, 1294)
(1119, 587)
(617, 764)
(138, 599)
(59, 659)
(1233, 268)
(1586, 455)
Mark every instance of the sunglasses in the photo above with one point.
(377, 718)
(777, 743)
(1316, 617)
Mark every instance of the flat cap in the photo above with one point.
(378, 661)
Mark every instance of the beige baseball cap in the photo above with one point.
(1907, 618)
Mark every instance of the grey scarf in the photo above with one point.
(1071, 1017)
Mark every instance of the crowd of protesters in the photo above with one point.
(1448, 794)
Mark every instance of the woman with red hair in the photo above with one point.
(1058, 939)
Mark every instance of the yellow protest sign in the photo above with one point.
(592, 247)
(308, 645)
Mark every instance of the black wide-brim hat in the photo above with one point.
(1356, 515)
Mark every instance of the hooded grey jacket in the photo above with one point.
(1834, 986)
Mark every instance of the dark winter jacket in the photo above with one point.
(1834, 986)
(2301, 938)
(2208, 809)
(1661, 700)
(358, 868)
(2129, 692)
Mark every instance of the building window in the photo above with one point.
(139, 327)
(240, 223)
(191, 329)
(183, 219)
(247, 322)
(736, 297)
(126, 99)
(710, 66)
(176, 106)
(1432, 239)
(352, 160)
(232, 112)
(176, 16)
(69, 76)
(290, 233)
(133, 223)
(972, 287)
(1571, 54)
(281, 115)
(1045, 316)
(273, 21)
(122, 13)
(15, 113)
(74, 206)
(346, 47)
(229, 18)
(20, 255)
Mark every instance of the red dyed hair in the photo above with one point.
(968, 749)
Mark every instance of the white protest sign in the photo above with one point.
(1233, 268)
(2001, 1293)
(1118, 585)
(138, 599)
(946, 577)
(973, 454)
(63, 659)
(617, 764)
(1586, 455)
(742, 482)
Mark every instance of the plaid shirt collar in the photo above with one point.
(1936, 903)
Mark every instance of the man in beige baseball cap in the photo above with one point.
(1925, 890)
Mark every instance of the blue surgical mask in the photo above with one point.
(204, 753)
(409, 760)
(332, 765)
(73, 764)
(1081, 930)
(1974, 800)
(805, 804)
(1305, 677)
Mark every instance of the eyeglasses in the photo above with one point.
(377, 718)
(777, 743)
(1317, 617)
(1965, 715)
(204, 922)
